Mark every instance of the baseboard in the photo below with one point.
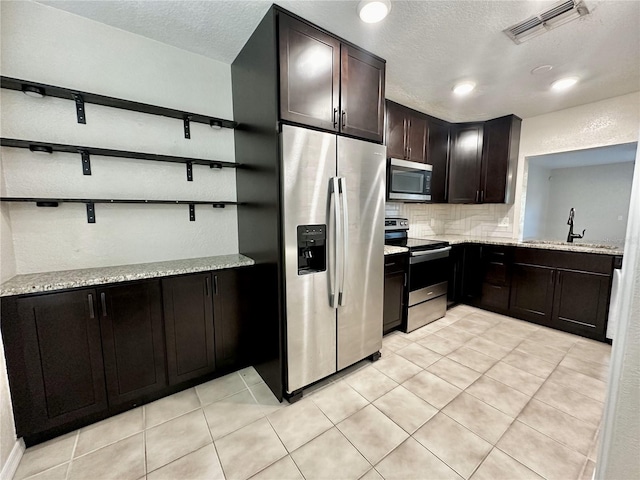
(10, 467)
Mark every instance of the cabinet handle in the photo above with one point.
(206, 285)
(409, 152)
(335, 119)
(552, 277)
(92, 311)
(215, 285)
(405, 279)
(344, 118)
(481, 195)
(103, 300)
(477, 196)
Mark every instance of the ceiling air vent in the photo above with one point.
(551, 18)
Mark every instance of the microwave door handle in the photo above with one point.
(334, 223)
(342, 297)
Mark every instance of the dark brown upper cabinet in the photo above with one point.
(501, 144)
(406, 133)
(465, 163)
(328, 84)
(132, 341)
(309, 75)
(438, 156)
(484, 158)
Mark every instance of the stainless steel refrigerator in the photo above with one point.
(333, 234)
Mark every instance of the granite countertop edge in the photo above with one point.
(394, 250)
(66, 279)
(459, 239)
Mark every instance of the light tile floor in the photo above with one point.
(473, 395)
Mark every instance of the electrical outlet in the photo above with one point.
(504, 222)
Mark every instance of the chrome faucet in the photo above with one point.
(572, 235)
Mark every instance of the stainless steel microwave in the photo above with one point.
(408, 181)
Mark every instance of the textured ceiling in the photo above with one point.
(622, 153)
(429, 45)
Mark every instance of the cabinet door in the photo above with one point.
(472, 274)
(361, 94)
(132, 340)
(309, 74)
(394, 284)
(395, 136)
(54, 359)
(188, 317)
(454, 286)
(438, 157)
(499, 159)
(416, 138)
(464, 167)
(532, 293)
(229, 327)
(580, 303)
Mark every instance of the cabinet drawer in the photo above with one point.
(395, 263)
(585, 262)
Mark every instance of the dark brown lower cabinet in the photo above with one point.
(580, 302)
(132, 340)
(532, 293)
(230, 329)
(395, 295)
(188, 316)
(54, 358)
(79, 356)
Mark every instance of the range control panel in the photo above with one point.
(396, 223)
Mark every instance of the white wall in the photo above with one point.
(47, 45)
(600, 194)
(537, 202)
(608, 122)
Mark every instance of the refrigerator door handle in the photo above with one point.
(342, 183)
(335, 228)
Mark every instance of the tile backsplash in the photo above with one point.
(486, 220)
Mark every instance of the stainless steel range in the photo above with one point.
(428, 272)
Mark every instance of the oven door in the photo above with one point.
(408, 181)
(428, 275)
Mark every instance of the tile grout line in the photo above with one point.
(73, 452)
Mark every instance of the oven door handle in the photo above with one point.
(427, 255)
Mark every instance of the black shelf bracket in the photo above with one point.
(91, 212)
(189, 172)
(187, 126)
(86, 162)
(82, 118)
(192, 212)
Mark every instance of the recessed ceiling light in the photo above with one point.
(463, 88)
(564, 83)
(541, 69)
(373, 11)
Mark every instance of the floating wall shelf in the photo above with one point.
(80, 98)
(86, 152)
(90, 203)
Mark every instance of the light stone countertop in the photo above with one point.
(51, 281)
(543, 244)
(392, 250)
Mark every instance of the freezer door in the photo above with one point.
(361, 170)
(308, 164)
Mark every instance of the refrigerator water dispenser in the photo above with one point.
(312, 249)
